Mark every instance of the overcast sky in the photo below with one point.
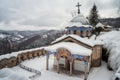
(48, 14)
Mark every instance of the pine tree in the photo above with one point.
(98, 30)
(93, 17)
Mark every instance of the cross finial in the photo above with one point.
(78, 5)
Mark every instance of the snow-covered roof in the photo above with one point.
(9, 74)
(81, 19)
(77, 24)
(72, 47)
(83, 40)
(108, 26)
(78, 21)
(99, 25)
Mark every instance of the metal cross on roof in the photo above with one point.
(78, 5)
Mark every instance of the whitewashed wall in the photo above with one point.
(78, 65)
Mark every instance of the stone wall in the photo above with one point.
(13, 61)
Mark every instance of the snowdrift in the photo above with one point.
(9, 74)
(111, 42)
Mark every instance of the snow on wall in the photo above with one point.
(112, 43)
(14, 54)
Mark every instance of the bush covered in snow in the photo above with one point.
(9, 74)
(112, 44)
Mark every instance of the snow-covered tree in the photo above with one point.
(93, 17)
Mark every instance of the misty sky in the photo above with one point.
(48, 14)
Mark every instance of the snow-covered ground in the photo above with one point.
(100, 73)
(111, 42)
